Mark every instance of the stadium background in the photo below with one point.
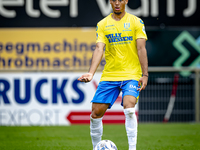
(46, 45)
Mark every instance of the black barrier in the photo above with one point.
(174, 47)
(86, 13)
(154, 100)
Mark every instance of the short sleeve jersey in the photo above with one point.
(122, 62)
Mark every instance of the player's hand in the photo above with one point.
(86, 77)
(142, 83)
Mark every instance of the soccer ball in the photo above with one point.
(106, 145)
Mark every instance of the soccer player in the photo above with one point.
(124, 38)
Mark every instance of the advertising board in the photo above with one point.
(79, 13)
(72, 48)
(50, 99)
(42, 48)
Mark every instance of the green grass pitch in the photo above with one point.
(168, 136)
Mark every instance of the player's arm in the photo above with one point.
(142, 54)
(96, 59)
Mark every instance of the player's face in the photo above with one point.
(118, 6)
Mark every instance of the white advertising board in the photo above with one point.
(49, 99)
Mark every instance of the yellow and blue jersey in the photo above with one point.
(122, 62)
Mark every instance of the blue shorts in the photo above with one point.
(108, 91)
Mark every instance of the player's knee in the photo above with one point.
(129, 112)
(129, 106)
(96, 114)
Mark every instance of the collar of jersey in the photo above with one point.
(119, 20)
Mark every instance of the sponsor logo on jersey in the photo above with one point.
(110, 25)
(141, 22)
(117, 37)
